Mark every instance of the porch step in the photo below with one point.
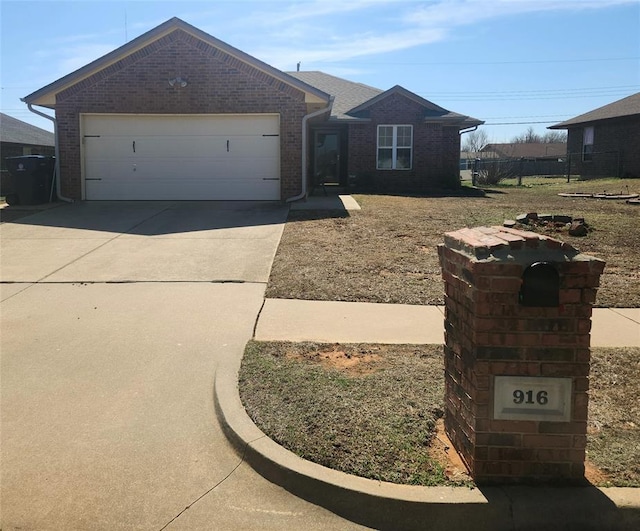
(328, 189)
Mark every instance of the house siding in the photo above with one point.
(615, 147)
(218, 84)
(436, 149)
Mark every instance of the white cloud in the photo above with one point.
(451, 13)
(67, 59)
(322, 8)
(75, 58)
(327, 31)
(340, 49)
(319, 31)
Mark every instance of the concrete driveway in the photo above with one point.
(143, 241)
(114, 318)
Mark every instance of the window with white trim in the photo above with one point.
(587, 144)
(395, 147)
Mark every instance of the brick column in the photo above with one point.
(506, 429)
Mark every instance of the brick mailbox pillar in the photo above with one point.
(518, 316)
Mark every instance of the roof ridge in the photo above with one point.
(344, 80)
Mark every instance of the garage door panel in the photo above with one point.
(145, 124)
(182, 157)
(179, 147)
(257, 146)
(232, 190)
(103, 147)
(265, 170)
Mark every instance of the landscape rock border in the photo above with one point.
(576, 226)
(604, 195)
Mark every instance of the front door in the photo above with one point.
(326, 163)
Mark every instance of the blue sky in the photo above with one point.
(514, 62)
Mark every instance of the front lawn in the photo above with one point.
(373, 410)
(387, 251)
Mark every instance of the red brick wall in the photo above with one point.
(436, 148)
(218, 83)
(489, 333)
(615, 146)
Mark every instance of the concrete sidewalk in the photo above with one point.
(328, 202)
(350, 322)
(388, 506)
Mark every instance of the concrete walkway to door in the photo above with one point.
(115, 317)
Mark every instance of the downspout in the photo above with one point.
(305, 146)
(56, 170)
(473, 170)
(468, 130)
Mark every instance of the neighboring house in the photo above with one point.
(530, 158)
(538, 151)
(468, 158)
(20, 138)
(178, 114)
(605, 142)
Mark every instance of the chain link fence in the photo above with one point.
(492, 171)
(576, 165)
(594, 165)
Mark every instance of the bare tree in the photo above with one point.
(554, 137)
(528, 137)
(531, 137)
(475, 141)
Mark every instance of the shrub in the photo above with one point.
(491, 172)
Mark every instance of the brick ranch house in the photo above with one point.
(605, 142)
(178, 114)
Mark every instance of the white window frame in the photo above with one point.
(587, 143)
(394, 147)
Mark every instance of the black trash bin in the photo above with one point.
(31, 179)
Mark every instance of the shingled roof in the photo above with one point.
(629, 106)
(16, 131)
(348, 94)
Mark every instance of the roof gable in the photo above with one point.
(629, 106)
(16, 131)
(353, 100)
(431, 109)
(431, 112)
(46, 96)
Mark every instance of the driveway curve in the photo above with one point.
(114, 319)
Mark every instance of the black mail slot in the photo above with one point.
(540, 286)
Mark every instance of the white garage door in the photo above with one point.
(181, 157)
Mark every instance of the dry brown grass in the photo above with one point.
(373, 410)
(387, 251)
(358, 408)
(614, 415)
(368, 410)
